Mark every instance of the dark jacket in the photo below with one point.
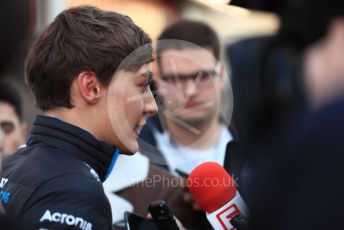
(55, 181)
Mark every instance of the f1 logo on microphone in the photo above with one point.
(226, 215)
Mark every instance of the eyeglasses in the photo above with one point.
(201, 79)
(7, 127)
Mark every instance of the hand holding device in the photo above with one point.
(136, 222)
(162, 215)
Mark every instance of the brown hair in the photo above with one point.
(193, 32)
(83, 38)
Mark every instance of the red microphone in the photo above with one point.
(215, 192)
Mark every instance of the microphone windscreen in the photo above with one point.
(211, 186)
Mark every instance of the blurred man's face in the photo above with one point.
(324, 67)
(129, 101)
(1, 145)
(14, 131)
(190, 83)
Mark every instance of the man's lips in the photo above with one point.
(192, 107)
(137, 130)
(137, 133)
(191, 103)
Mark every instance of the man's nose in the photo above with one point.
(151, 107)
(190, 87)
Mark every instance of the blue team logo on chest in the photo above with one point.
(4, 196)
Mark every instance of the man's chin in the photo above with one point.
(129, 149)
(194, 118)
(127, 152)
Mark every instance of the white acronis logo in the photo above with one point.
(3, 182)
(68, 219)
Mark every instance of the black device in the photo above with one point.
(182, 173)
(162, 215)
(239, 222)
(136, 222)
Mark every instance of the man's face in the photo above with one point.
(190, 83)
(14, 131)
(129, 101)
(1, 143)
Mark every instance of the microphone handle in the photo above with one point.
(239, 222)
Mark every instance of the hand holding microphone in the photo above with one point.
(187, 196)
(215, 192)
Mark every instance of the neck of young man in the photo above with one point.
(204, 136)
(74, 117)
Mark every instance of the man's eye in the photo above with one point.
(168, 78)
(204, 76)
(7, 127)
(172, 80)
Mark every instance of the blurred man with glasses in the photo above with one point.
(14, 129)
(189, 129)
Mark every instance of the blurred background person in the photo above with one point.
(189, 129)
(11, 121)
(324, 67)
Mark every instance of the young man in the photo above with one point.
(93, 107)
(11, 123)
(191, 83)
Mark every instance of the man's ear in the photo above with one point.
(89, 86)
(221, 72)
